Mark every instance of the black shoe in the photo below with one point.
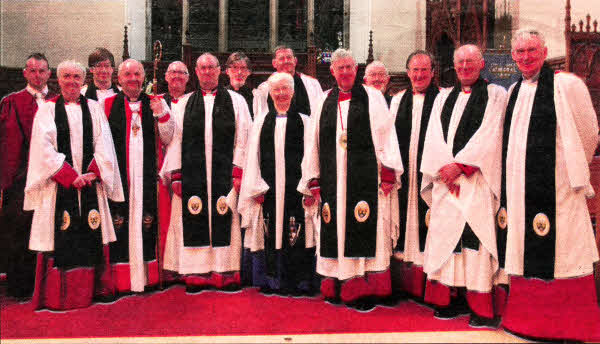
(151, 288)
(391, 300)
(231, 288)
(266, 291)
(451, 311)
(195, 289)
(105, 298)
(363, 304)
(479, 321)
(333, 300)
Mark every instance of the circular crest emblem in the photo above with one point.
(541, 224)
(344, 140)
(427, 217)
(66, 221)
(326, 213)
(118, 221)
(362, 211)
(501, 218)
(222, 206)
(194, 205)
(94, 219)
(147, 221)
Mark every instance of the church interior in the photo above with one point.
(386, 31)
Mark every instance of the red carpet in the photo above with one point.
(173, 313)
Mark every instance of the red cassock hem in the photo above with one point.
(216, 280)
(558, 309)
(500, 295)
(481, 303)
(121, 276)
(328, 288)
(437, 294)
(380, 283)
(59, 289)
(407, 277)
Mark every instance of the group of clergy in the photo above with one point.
(470, 199)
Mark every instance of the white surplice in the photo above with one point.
(45, 161)
(576, 140)
(313, 90)
(479, 194)
(411, 252)
(253, 185)
(387, 153)
(198, 260)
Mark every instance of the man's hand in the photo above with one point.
(449, 173)
(157, 106)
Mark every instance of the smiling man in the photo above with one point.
(72, 163)
(376, 76)
(238, 69)
(204, 164)
(131, 115)
(351, 167)
(412, 110)
(550, 134)
(307, 90)
(461, 184)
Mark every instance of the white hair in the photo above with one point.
(341, 54)
(122, 65)
(471, 47)
(277, 77)
(175, 63)
(70, 64)
(375, 64)
(526, 33)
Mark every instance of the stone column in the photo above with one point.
(310, 23)
(185, 21)
(274, 24)
(346, 27)
(223, 25)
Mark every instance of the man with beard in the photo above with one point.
(101, 63)
(550, 134)
(270, 205)
(131, 116)
(352, 165)
(376, 76)
(412, 109)
(72, 174)
(238, 69)
(204, 164)
(17, 111)
(461, 184)
(307, 90)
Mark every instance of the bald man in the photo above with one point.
(131, 116)
(461, 166)
(204, 165)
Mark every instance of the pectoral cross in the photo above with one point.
(135, 129)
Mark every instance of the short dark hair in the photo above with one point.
(37, 56)
(421, 52)
(99, 55)
(282, 47)
(238, 56)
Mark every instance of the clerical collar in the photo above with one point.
(132, 101)
(344, 96)
(281, 115)
(209, 93)
(466, 89)
(533, 79)
(33, 91)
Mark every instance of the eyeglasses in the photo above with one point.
(238, 68)
(207, 68)
(106, 65)
(177, 72)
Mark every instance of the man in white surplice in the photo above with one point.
(461, 184)
(412, 110)
(551, 132)
(352, 161)
(72, 173)
(307, 90)
(279, 238)
(211, 130)
(132, 116)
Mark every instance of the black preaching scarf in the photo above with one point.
(119, 250)
(293, 152)
(361, 180)
(193, 169)
(245, 92)
(300, 102)
(91, 91)
(540, 178)
(78, 244)
(403, 131)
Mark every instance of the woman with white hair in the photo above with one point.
(278, 235)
